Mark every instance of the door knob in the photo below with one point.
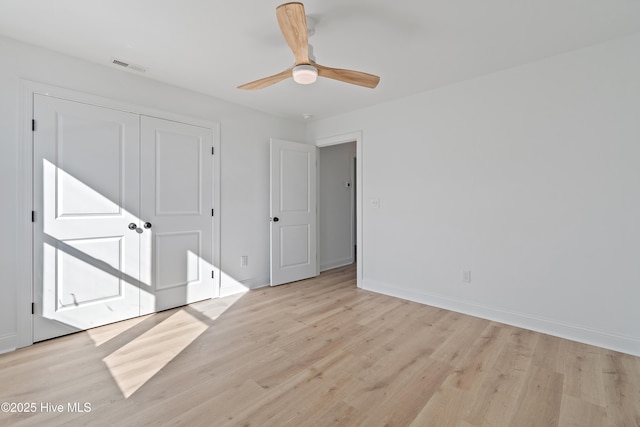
(147, 225)
(133, 226)
(276, 219)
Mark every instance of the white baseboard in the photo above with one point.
(547, 326)
(233, 287)
(8, 343)
(337, 263)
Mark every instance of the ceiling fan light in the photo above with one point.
(305, 74)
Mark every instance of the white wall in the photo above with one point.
(529, 177)
(244, 173)
(335, 205)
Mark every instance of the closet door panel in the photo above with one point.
(176, 205)
(86, 194)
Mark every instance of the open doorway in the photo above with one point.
(337, 221)
(357, 186)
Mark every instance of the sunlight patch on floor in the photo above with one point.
(213, 309)
(138, 361)
(102, 335)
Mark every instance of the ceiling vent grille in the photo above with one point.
(120, 63)
(124, 64)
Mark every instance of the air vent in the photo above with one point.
(120, 63)
(124, 64)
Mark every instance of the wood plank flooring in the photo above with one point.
(315, 353)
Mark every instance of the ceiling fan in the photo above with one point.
(293, 24)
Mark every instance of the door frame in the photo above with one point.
(27, 89)
(342, 139)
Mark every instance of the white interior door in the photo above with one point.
(293, 211)
(86, 193)
(177, 206)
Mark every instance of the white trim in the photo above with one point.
(24, 296)
(233, 290)
(547, 326)
(25, 245)
(337, 263)
(217, 281)
(100, 101)
(8, 343)
(341, 139)
(238, 287)
(256, 282)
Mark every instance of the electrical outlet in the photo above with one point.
(244, 261)
(466, 276)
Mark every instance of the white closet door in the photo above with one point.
(86, 194)
(176, 206)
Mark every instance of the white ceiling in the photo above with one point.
(212, 46)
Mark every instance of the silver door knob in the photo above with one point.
(147, 225)
(133, 226)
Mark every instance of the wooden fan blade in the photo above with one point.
(293, 24)
(348, 76)
(267, 81)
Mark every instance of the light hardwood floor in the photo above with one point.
(318, 352)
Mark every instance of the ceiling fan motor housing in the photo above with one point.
(305, 74)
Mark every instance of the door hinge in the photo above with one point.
(213, 212)
(213, 151)
(33, 125)
(213, 274)
(33, 308)
(33, 216)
